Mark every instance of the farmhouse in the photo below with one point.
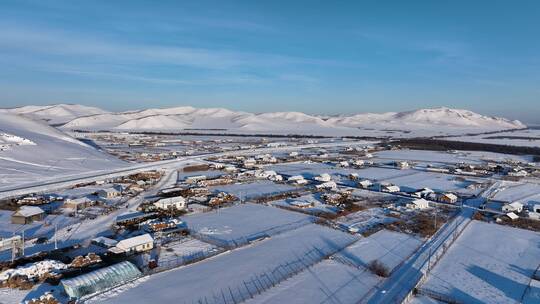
(448, 198)
(515, 207)
(139, 243)
(78, 203)
(301, 205)
(365, 184)
(297, 179)
(178, 203)
(418, 204)
(109, 193)
(324, 177)
(389, 188)
(27, 215)
(327, 185)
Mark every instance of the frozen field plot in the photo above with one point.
(506, 191)
(251, 190)
(206, 280)
(318, 206)
(244, 222)
(365, 219)
(326, 282)
(435, 181)
(388, 247)
(488, 263)
(472, 157)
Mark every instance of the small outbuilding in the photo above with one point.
(27, 215)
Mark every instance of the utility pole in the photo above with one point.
(23, 242)
(55, 237)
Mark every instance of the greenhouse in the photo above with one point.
(100, 279)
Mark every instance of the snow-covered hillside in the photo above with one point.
(55, 114)
(32, 150)
(419, 122)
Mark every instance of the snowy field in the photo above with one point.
(436, 181)
(388, 247)
(41, 228)
(183, 247)
(244, 222)
(507, 191)
(326, 282)
(211, 278)
(488, 263)
(318, 205)
(251, 190)
(523, 138)
(471, 157)
(365, 219)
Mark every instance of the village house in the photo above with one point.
(515, 207)
(324, 177)
(250, 163)
(178, 203)
(327, 185)
(109, 193)
(78, 203)
(343, 164)
(423, 193)
(297, 179)
(301, 204)
(135, 244)
(196, 178)
(389, 188)
(27, 215)
(418, 204)
(448, 198)
(402, 165)
(364, 184)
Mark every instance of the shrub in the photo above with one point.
(378, 268)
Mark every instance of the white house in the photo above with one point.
(343, 164)
(327, 185)
(297, 179)
(359, 163)
(515, 207)
(324, 177)
(449, 198)
(250, 162)
(424, 192)
(366, 183)
(418, 204)
(301, 204)
(178, 203)
(139, 243)
(389, 188)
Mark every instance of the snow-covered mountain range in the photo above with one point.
(420, 122)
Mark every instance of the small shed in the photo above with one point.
(27, 215)
(449, 198)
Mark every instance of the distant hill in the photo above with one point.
(419, 122)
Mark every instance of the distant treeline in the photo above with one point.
(444, 145)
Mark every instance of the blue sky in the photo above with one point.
(319, 57)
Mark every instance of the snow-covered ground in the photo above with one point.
(388, 247)
(244, 222)
(318, 205)
(254, 189)
(326, 282)
(523, 138)
(238, 270)
(365, 219)
(488, 263)
(52, 153)
(471, 157)
(507, 191)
